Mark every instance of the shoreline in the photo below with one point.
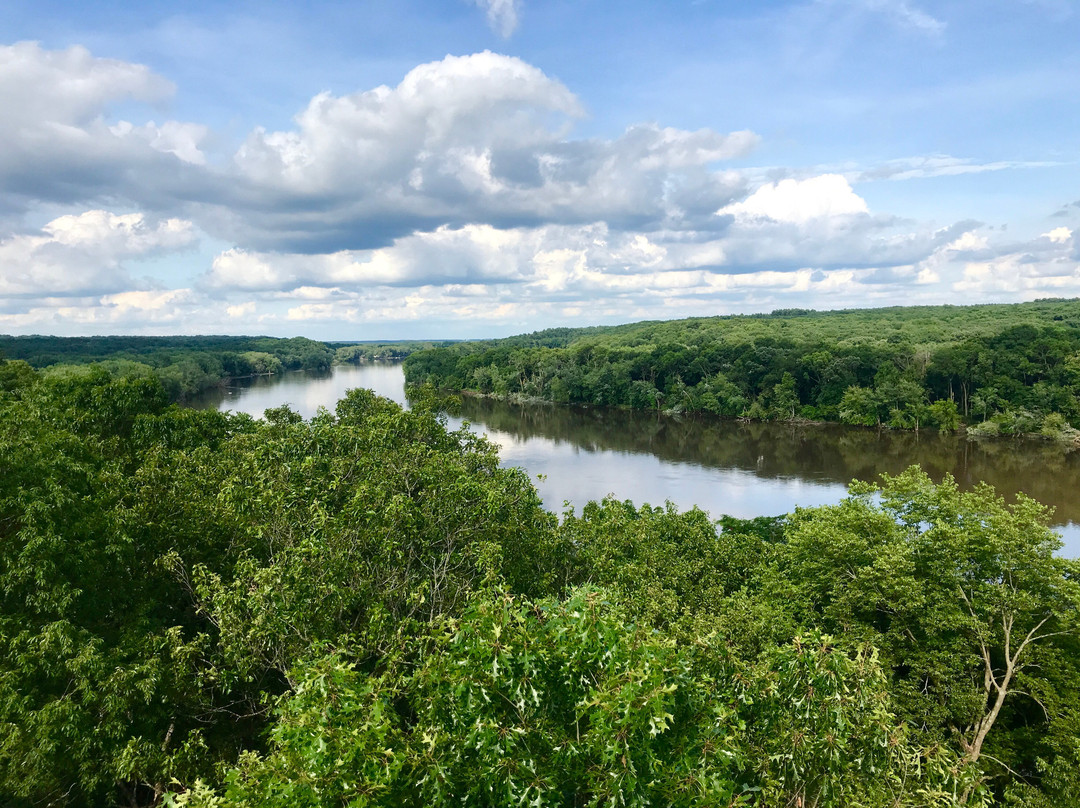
(964, 431)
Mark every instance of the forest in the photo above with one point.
(356, 353)
(365, 609)
(185, 366)
(1005, 369)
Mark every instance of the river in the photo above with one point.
(575, 454)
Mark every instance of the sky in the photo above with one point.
(478, 168)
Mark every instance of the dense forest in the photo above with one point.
(355, 353)
(185, 366)
(997, 369)
(365, 609)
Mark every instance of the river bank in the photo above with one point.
(1061, 434)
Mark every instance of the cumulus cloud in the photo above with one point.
(133, 312)
(579, 264)
(800, 201)
(483, 138)
(502, 15)
(527, 277)
(68, 87)
(85, 253)
(57, 144)
(1049, 264)
(1059, 235)
(467, 139)
(460, 195)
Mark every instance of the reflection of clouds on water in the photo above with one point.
(723, 467)
(578, 474)
(306, 392)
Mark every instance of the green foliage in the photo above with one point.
(675, 571)
(561, 703)
(364, 608)
(860, 406)
(185, 366)
(161, 570)
(900, 367)
(355, 354)
(974, 615)
(15, 375)
(945, 415)
(335, 545)
(97, 691)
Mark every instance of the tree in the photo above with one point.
(563, 703)
(985, 400)
(860, 406)
(163, 570)
(785, 397)
(962, 593)
(945, 415)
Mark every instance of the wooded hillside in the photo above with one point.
(1004, 369)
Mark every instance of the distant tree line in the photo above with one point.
(998, 369)
(185, 366)
(360, 352)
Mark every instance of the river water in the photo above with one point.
(575, 454)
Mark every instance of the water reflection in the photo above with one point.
(825, 453)
(722, 466)
(304, 391)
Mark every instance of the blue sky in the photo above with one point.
(456, 169)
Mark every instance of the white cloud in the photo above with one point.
(1046, 265)
(1014, 276)
(119, 236)
(466, 139)
(940, 165)
(590, 268)
(57, 145)
(136, 311)
(800, 201)
(464, 103)
(85, 253)
(480, 276)
(458, 196)
(900, 12)
(147, 301)
(178, 139)
(67, 88)
(241, 310)
(502, 15)
(967, 242)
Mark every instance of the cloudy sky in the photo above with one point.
(466, 168)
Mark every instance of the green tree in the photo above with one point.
(945, 415)
(860, 406)
(785, 397)
(962, 593)
(556, 703)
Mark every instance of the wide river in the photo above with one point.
(576, 454)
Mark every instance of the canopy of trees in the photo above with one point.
(366, 609)
(359, 352)
(1001, 369)
(185, 366)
